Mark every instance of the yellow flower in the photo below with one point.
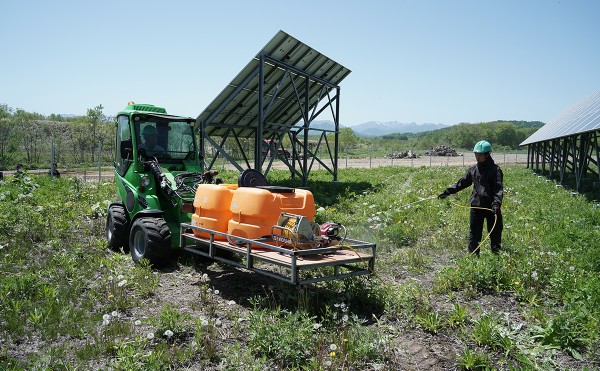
(332, 354)
(110, 296)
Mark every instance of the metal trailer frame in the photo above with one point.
(287, 265)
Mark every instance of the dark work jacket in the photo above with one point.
(486, 179)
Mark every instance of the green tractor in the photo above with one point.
(157, 170)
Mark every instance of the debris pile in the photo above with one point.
(406, 154)
(442, 151)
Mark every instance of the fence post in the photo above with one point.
(370, 156)
(52, 158)
(99, 162)
(429, 160)
(346, 156)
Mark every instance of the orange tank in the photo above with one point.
(255, 210)
(212, 208)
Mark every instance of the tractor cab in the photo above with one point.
(157, 171)
(145, 132)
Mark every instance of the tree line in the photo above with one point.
(504, 135)
(32, 139)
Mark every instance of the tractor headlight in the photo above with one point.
(144, 183)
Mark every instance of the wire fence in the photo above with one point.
(103, 169)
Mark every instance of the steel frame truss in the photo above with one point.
(577, 155)
(311, 97)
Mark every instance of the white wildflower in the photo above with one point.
(120, 277)
(137, 323)
(122, 283)
(217, 292)
(106, 317)
(333, 347)
(204, 322)
(114, 313)
(168, 333)
(317, 326)
(150, 335)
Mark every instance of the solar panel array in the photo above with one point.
(582, 117)
(288, 65)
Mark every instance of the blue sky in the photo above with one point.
(412, 61)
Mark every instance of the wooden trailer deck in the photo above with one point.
(298, 267)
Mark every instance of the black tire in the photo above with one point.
(150, 239)
(117, 227)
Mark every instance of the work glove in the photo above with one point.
(495, 208)
(444, 194)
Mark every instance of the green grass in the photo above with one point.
(68, 302)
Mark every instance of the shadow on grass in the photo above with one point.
(364, 296)
(589, 187)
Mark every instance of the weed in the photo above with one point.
(170, 323)
(430, 321)
(469, 360)
(206, 338)
(282, 336)
(458, 316)
(485, 330)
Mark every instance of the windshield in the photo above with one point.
(164, 138)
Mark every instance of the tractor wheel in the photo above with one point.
(150, 239)
(117, 227)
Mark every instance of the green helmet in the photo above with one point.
(483, 146)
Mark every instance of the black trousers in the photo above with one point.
(478, 216)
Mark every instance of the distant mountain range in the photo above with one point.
(378, 128)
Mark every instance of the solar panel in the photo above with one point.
(288, 66)
(582, 117)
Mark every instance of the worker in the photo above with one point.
(54, 171)
(150, 141)
(486, 198)
(20, 172)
